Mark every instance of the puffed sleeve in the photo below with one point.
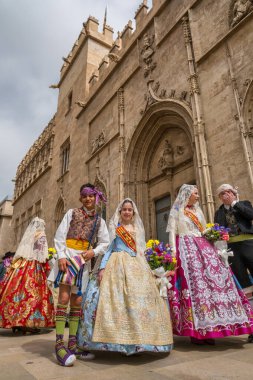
(107, 256)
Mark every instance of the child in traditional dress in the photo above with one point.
(126, 312)
(79, 230)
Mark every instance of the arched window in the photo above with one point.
(59, 212)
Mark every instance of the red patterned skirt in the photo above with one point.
(25, 299)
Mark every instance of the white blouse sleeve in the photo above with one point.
(61, 234)
(102, 239)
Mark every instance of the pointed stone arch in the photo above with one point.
(165, 136)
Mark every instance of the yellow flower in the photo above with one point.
(52, 250)
(174, 260)
(151, 242)
(209, 225)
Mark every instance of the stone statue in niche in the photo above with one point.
(240, 10)
(98, 142)
(166, 161)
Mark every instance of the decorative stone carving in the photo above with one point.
(186, 29)
(180, 150)
(152, 96)
(166, 161)
(238, 10)
(121, 104)
(98, 142)
(114, 57)
(194, 86)
(66, 60)
(147, 52)
(80, 104)
(149, 101)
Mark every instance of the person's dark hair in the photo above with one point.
(8, 254)
(87, 185)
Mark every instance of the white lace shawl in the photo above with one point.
(137, 226)
(179, 223)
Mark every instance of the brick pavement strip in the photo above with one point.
(31, 357)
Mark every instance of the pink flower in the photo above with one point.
(225, 237)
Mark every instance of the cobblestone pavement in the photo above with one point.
(31, 357)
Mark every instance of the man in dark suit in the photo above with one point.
(238, 216)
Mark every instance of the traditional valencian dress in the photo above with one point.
(78, 231)
(127, 315)
(206, 300)
(25, 299)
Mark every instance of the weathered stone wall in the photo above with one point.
(183, 75)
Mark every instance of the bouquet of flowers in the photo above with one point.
(159, 255)
(219, 236)
(160, 259)
(214, 232)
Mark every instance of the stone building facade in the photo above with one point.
(6, 230)
(166, 103)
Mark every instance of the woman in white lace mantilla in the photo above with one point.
(205, 301)
(25, 298)
(128, 314)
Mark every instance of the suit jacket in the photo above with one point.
(243, 212)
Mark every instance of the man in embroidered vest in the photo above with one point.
(238, 216)
(79, 230)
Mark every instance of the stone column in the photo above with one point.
(199, 126)
(121, 110)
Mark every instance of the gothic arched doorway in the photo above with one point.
(159, 160)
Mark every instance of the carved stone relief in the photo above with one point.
(167, 161)
(147, 52)
(98, 142)
(156, 93)
(171, 153)
(238, 10)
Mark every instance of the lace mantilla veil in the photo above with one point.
(176, 218)
(33, 245)
(138, 226)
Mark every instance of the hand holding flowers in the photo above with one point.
(219, 236)
(163, 264)
(159, 255)
(214, 232)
